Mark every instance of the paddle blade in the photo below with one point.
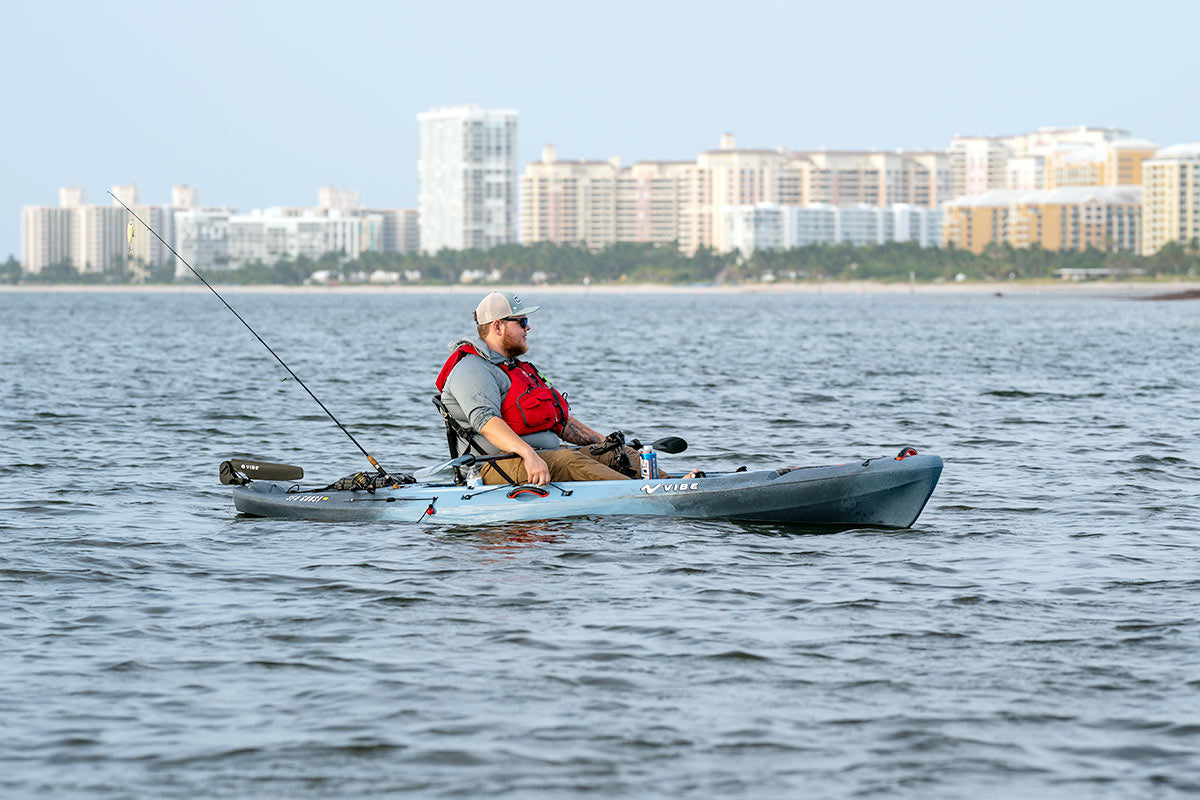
(258, 470)
(670, 444)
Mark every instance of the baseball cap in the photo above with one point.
(499, 305)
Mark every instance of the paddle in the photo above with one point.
(262, 470)
(668, 444)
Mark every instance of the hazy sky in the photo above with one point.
(260, 103)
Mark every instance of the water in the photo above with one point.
(1035, 634)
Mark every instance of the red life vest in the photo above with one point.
(530, 406)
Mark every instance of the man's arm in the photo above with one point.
(498, 432)
(576, 432)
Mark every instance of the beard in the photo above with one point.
(513, 343)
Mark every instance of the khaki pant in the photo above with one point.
(566, 465)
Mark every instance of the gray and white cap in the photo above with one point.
(499, 305)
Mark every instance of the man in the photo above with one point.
(508, 406)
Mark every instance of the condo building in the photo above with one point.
(94, 238)
(202, 239)
(401, 229)
(1049, 158)
(850, 177)
(1071, 218)
(771, 226)
(1171, 203)
(467, 169)
(274, 234)
(597, 203)
(45, 237)
(569, 202)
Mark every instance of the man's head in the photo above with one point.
(503, 323)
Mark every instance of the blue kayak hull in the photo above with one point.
(884, 492)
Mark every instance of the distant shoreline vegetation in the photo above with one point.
(664, 264)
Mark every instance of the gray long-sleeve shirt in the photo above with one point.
(474, 391)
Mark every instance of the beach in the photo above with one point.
(1087, 288)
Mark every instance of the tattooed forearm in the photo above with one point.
(576, 432)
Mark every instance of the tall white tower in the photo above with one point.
(468, 174)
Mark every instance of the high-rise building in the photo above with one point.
(45, 237)
(850, 177)
(977, 164)
(274, 234)
(183, 197)
(1123, 161)
(1171, 199)
(1069, 218)
(770, 226)
(70, 197)
(337, 198)
(569, 202)
(146, 250)
(1048, 158)
(653, 204)
(98, 237)
(685, 202)
(202, 239)
(128, 192)
(467, 169)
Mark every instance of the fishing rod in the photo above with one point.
(370, 458)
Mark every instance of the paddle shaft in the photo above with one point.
(363, 450)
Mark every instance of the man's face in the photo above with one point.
(512, 342)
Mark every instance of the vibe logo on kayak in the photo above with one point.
(668, 487)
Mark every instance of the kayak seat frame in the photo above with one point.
(455, 435)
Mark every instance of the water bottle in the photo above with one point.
(473, 477)
(649, 463)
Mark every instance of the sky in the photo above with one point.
(259, 104)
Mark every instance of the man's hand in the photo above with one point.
(496, 431)
(614, 441)
(536, 470)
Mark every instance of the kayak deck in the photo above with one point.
(882, 492)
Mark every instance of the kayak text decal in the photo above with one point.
(668, 487)
(307, 498)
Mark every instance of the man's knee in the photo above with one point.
(575, 465)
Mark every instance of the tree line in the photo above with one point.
(650, 263)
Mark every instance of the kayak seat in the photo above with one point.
(456, 435)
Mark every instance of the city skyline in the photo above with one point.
(335, 103)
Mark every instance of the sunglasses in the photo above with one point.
(522, 321)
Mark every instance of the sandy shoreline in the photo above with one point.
(1106, 288)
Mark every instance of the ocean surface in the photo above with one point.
(1035, 634)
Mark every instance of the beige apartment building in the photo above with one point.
(1171, 203)
(852, 177)
(569, 202)
(654, 201)
(597, 203)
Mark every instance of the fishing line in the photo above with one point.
(370, 458)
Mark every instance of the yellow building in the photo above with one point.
(972, 222)
(1117, 163)
(1072, 218)
(1124, 159)
(1171, 202)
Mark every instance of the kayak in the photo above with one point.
(883, 492)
